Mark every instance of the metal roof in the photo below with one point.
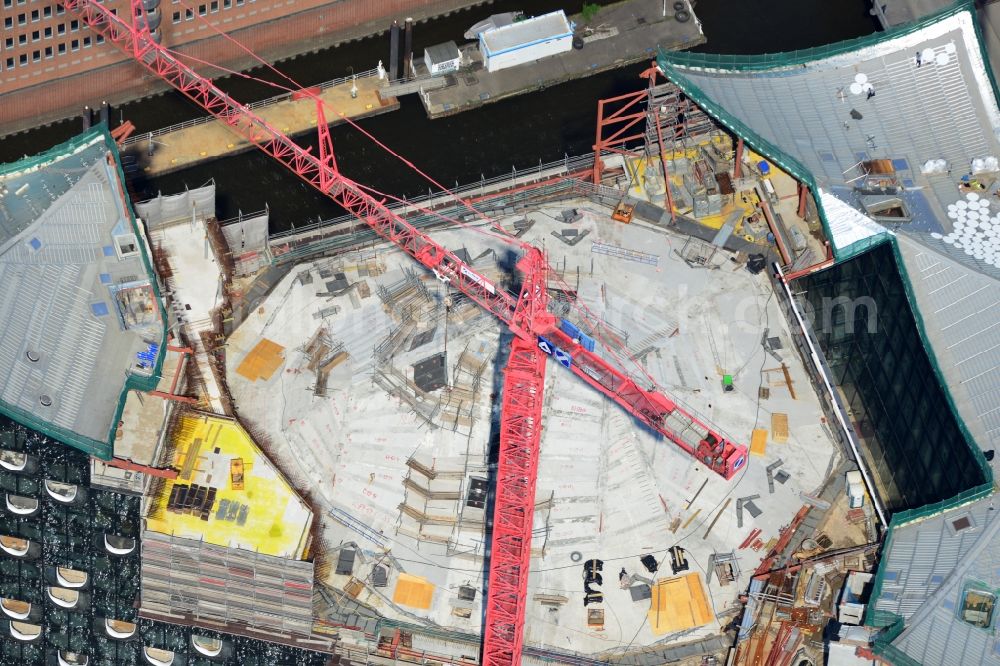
(960, 309)
(913, 95)
(440, 53)
(528, 31)
(926, 568)
(81, 317)
(810, 111)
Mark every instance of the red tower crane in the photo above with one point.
(538, 334)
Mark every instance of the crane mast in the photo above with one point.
(538, 334)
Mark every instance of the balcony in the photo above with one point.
(158, 657)
(61, 492)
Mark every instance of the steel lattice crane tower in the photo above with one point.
(537, 333)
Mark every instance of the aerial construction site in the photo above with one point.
(615, 409)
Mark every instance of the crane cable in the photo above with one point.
(347, 119)
(494, 224)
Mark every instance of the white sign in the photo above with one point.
(478, 279)
(545, 345)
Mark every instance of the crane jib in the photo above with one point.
(526, 315)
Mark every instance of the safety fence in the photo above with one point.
(501, 195)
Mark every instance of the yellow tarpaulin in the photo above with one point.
(413, 591)
(258, 512)
(678, 603)
(758, 442)
(262, 361)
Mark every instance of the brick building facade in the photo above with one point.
(51, 65)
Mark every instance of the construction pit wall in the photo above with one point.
(761, 204)
(391, 440)
(193, 264)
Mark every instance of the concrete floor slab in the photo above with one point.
(390, 472)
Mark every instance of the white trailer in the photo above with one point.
(526, 41)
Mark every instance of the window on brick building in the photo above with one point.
(74, 25)
(202, 10)
(214, 6)
(86, 42)
(8, 3)
(8, 22)
(23, 59)
(34, 15)
(176, 17)
(8, 43)
(61, 48)
(61, 29)
(60, 10)
(75, 45)
(188, 14)
(99, 39)
(20, 2)
(46, 12)
(22, 19)
(48, 51)
(48, 31)
(36, 56)
(10, 63)
(22, 39)
(35, 35)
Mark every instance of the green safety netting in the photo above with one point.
(676, 66)
(776, 61)
(100, 449)
(891, 626)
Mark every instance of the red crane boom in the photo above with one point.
(537, 331)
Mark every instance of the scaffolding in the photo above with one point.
(82, 535)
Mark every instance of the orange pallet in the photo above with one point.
(623, 213)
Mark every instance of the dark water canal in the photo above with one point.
(487, 142)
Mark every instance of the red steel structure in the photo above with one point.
(618, 125)
(537, 332)
(514, 507)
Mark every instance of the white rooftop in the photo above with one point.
(528, 31)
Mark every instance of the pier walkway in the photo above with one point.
(180, 146)
(620, 34)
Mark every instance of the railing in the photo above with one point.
(245, 216)
(471, 191)
(823, 384)
(347, 233)
(260, 104)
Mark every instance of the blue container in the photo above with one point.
(574, 332)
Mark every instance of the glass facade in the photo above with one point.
(71, 534)
(911, 440)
